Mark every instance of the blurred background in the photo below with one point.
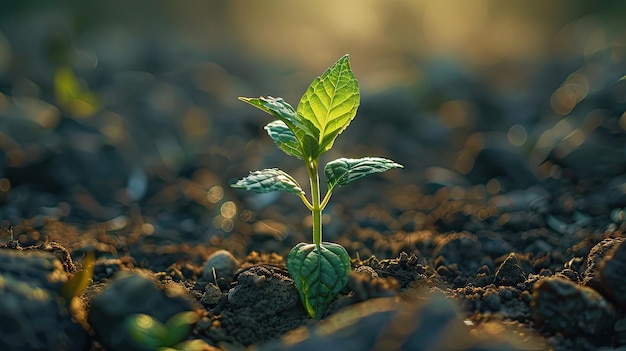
(127, 113)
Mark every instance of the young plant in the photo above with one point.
(320, 270)
(147, 332)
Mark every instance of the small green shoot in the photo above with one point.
(77, 284)
(151, 334)
(73, 95)
(319, 270)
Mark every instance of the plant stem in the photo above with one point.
(316, 209)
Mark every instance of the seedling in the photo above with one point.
(319, 270)
(79, 282)
(147, 332)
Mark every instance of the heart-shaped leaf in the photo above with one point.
(267, 180)
(284, 138)
(330, 103)
(346, 170)
(319, 273)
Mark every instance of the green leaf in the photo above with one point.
(319, 273)
(304, 131)
(276, 107)
(179, 326)
(146, 331)
(77, 284)
(267, 180)
(343, 171)
(73, 95)
(284, 138)
(330, 103)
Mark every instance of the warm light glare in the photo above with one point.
(228, 209)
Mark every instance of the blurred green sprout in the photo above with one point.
(147, 332)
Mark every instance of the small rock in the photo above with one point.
(32, 315)
(221, 264)
(212, 295)
(36, 268)
(510, 272)
(612, 275)
(566, 307)
(601, 250)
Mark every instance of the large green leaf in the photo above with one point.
(267, 180)
(284, 138)
(343, 171)
(330, 103)
(319, 273)
(304, 131)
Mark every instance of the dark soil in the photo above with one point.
(479, 243)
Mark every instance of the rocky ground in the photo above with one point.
(504, 231)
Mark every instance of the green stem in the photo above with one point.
(316, 209)
(306, 202)
(326, 199)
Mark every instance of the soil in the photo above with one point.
(479, 243)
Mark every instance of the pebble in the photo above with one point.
(212, 295)
(596, 256)
(223, 263)
(611, 273)
(32, 315)
(566, 307)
